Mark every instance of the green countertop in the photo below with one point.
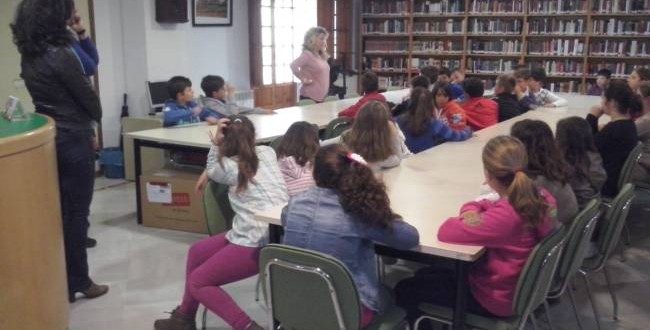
(13, 128)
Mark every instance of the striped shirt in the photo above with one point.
(298, 178)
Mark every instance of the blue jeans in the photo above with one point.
(76, 166)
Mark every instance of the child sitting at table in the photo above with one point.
(370, 87)
(219, 99)
(509, 228)
(422, 130)
(543, 96)
(180, 108)
(480, 112)
(448, 111)
(546, 166)
(417, 81)
(509, 106)
(444, 76)
(255, 183)
(343, 216)
(296, 156)
(602, 80)
(638, 76)
(375, 137)
(525, 98)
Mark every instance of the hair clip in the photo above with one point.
(237, 120)
(356, 158)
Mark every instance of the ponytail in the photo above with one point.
(239, 143)
(525, 198)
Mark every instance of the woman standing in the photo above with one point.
(59, 89)
(311, 66)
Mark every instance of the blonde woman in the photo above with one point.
(311, 66)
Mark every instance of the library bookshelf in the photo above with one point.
(571, 39)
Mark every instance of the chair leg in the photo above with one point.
(547, 311)
(612, 293)
(591, 298)
(204, 318)
(628, 236)
(533, 320)
(575, 309)
(258, 287)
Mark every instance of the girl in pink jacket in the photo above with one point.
(296, 155)
(509, 228)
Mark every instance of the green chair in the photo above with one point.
(577, 245)
(305, 102)
(628, 166)
(307, 290)
(532, 288)
(608, 236)
(336, 127)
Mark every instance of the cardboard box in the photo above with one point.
(169, 201)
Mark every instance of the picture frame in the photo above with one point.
(212, 13)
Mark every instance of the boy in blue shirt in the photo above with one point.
(444, 75)
(181, 108)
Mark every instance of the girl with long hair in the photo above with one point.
(311, 66)
(585, 171)
(422, 130)
(296, 154)
(343, 216)
(509, 228)
(255, 183)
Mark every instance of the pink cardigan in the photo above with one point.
(493, 278)
(310, 66)
(297, 178)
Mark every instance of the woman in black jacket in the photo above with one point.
(59, 89)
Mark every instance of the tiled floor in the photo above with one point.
(145, 270)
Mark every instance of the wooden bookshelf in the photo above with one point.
(571, 39)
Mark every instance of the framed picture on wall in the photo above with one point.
(211, 12)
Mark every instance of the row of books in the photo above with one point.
(557, 6)
(556, 47)
(385, 7)
(620, 6)
(386, 45)
(567, 68)
(440, 6)
(387, 26)
(420, 62)
(386, 82)
(490, 66)
(571, 86)
(620, 48)
(442, 27)
(495, 46)
(615, 26)
(618, 69)
(495, 25)
(438, 46)
(496, 6)
(556, 25)
(386, 63)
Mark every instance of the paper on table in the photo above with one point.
(159, 192)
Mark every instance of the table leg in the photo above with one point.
(137, 159)
(461, 295)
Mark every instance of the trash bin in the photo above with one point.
(113, 161)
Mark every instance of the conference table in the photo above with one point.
(431, 186)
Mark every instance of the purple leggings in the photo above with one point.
(212, 263)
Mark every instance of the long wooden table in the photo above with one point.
(431, 186)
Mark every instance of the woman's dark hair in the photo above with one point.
(177, 85)
(300, 142)
(420, 111)
(544, 158)
(370, 134)
(360, 192)
(643, 72)
(574, 137)
(444, 88)
(627, 101)
(211, 84)
(41, 23)
(239, 143)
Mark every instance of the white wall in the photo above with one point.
(134, 48)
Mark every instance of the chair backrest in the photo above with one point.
(336, 127)
(628, 166)
(304, 288)
(613, 222)
(276, 143)
(577, 244)
(535, 278)
(216, 205)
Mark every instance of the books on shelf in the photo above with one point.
(386, 63)
(396, 46)
(446, 46)
(618, 69)
(501, 46)
(491, 26)
(552, 25)
(557, 6)
(562, 68)
(571, 86)
(496, 6)
(478, 65)
(620, 48)
(559, 47)
(615, 26)
(620, 6)
(386, 82)
(439, 7)
(450, 26)
(385, 7)
(437, 62)
(387, 26)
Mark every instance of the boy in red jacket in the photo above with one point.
(480, 112)
(370, 86)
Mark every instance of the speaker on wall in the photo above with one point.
(171, 11)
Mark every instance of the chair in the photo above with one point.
(609, 234)
(276, 143)
(310, 290)
(532, 288)
(305, 102)
(337, 126)
(577, 245)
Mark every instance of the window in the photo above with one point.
(283, 24)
